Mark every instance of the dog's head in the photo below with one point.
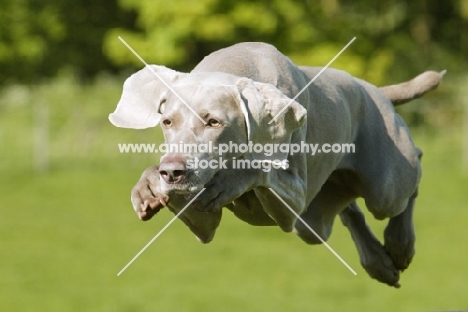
(200, 112)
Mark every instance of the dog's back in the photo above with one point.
(260, 62)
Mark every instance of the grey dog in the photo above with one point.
(232, 96)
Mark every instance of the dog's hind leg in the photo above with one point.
(373, 256)
(321, 213)
(399, 236)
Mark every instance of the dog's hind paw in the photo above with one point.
(401, 253)
(380, 266)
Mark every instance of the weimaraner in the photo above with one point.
(237, 91)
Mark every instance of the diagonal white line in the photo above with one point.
(313, 232)
(160, 232)
(313, 79)
(160, 78)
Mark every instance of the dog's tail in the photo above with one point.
(414, 88)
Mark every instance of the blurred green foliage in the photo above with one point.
(396, 39)
(40, 37)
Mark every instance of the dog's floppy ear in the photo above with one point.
(142, 95)
(260, 103)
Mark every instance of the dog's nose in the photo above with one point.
(172, 169)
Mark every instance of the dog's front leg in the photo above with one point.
(147, 199)
(226, 186)
(229, 184)
(289, 189)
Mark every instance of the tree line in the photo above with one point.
(395, 39)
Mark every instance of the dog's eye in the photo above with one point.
(167, 123)
(214, 123)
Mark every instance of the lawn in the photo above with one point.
(65, 233)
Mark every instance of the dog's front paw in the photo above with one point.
(146, 198)
(150, 207)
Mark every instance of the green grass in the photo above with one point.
(66, 233)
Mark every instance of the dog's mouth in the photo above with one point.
(183, 188)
